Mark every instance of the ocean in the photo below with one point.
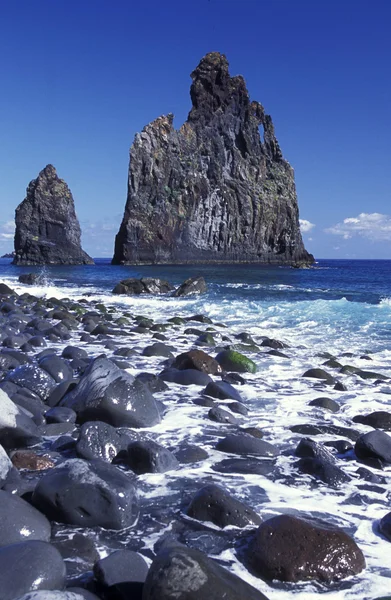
(341, 307)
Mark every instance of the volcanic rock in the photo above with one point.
(47, 230)
(288, 548)
(214, 190)
(186, 574)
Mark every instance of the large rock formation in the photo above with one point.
(47, 230)
(214, 190)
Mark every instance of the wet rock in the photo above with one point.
(214, 504)
(20, 522)
(385, 526)
(121, 570)
(248, 466)
(34, 379)
(146, 456)
(222, 391)
(40, 567)
(47, 230)
(230, 360)
(5, 465)
(60, 414)
(57, 368)
(58, 393)
(146, 285)
(233, 378)
(106, 393)
(204, 401)
(190, 454)
(191, 286)
(5, 290)
(238, 407)
(186, 574)
(158, 349)
(205, 339)
(16, 429)
(28, 459)
(79, 552)
(375, 444)
(275, 344)
(371, 375)
(243, 443)
(309, 429)
(87, 494)
(185, 377)
(289, 548)
(73, 352)
(57, 595)
(323, 470)
(197, 359)
(152, 382)
(101, 440)
(340, 387)
(319, 374)
(326, 403)
(220, 415)
(378, 420)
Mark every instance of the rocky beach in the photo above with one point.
(153, 449)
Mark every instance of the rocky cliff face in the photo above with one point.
(47, 230)
(216, 189)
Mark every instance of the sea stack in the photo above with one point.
(47, 230)
(216, 190)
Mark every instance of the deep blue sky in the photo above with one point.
(80, 77)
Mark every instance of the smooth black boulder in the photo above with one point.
(87, 494)
(185, 377)
(20, 522)
(16, 428)
(379, 419)
(215, 504)
(121, 569)
(186, 574)
(101, 440)
(222, 391)
(323, 470)
(60, 414)
(30, 566)
(326, 403)
(219, 415)
(28, 278)
(47, 230)
(33, 378)
(289, 548)
(106, 393)
(375, 444)
(243, 443)
(197, 359)
(57, 367)
(147, 456)
(319, 374)
(385, 526)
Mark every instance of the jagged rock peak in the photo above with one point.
(47, 230)
(216, 190)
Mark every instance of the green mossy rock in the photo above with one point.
(230, 360)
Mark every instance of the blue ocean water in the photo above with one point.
(341, 307)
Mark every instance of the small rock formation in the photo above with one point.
(215, 190)
(47, 230)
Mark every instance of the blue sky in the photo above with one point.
(80, 77)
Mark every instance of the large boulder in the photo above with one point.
(230, 360)
(186, 574)
(146, 285)
(33, 378)
(214, 504)
(197, 359)
(47, 230)
(20, 522)
(185, 376)
(106, 393)
(30, 566)
(244, 443)
(375, 444)
(379, 419)
(16, 428)
(147, 456)
(101, 440)
(87, 494)
(289, 548)
(191, 286)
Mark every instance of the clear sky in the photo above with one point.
(80, 77)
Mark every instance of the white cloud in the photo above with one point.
(7, 229)
(305, 225)
(373, 226)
